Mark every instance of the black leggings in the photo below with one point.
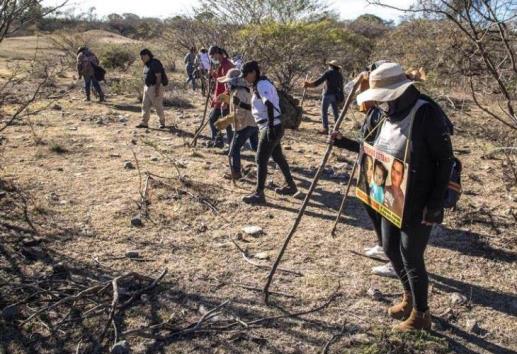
(405, 248)
(376, 220)
(271, 148)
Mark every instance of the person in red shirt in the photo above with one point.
(220, 58)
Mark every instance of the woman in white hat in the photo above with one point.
(244, 125)
(416, 131)
(332, 95)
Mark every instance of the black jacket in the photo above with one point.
(431, 156)
(334, 80)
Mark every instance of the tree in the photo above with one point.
(15, 14)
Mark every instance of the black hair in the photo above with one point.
(146, 52)
(250, 66)
(218, 50)
(383, 169)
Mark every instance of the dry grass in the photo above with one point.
(87, 193)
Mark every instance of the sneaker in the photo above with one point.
(385, 271)
(376, 252)
(287, 190)
(142, 125)
(255, 199)
(162, 126)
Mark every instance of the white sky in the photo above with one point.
(349, 9)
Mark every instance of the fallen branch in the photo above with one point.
(333, 339)
(112, 311)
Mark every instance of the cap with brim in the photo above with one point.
(231, 74)
(387, 83)
(334, 63)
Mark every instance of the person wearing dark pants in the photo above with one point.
(265, 105)
(244, 126)
(216, 136)
(332, 95)
(416, 132)
(86, 63)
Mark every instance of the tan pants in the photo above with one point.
(151, 100)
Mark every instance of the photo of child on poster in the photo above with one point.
(382, 183)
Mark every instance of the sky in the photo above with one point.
(348, 9)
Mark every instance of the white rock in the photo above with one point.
(253, 230)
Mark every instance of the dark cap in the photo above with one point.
(146, 52)
(248, 67)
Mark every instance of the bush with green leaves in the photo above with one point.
(117, 57)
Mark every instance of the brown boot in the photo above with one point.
(402, 310)
(417, 321)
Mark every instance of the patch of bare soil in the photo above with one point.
(77, 276)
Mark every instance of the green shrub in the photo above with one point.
(117, 57)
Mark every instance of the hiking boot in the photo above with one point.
(287, 190)
(234, 175)
(417, 321)
(87, 99)
(402, 310)
(376, 252)
(142, 125)
(255, 199)
(102, 98)
(385, 271)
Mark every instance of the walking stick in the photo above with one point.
(309, 194)
(342, 207)
(304, 93)
(203, 123)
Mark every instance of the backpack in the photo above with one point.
(99, 72)
(454, 188)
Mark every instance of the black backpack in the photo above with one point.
(165, 79)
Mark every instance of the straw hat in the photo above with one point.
(230, 75)
(334, 63)
(387, 83)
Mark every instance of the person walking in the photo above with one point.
(244, 125)
(190, 67)
(417, 129)
(219, 109)
(332, 95)
(155, 79)
(86, 63)
(265, 108)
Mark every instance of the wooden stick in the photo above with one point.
(333, 231)
(304, 93)
(203, 123)
(309, 193)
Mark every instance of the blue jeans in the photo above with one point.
(239, 139)
(190, 74)
(88, 81)
(215, 114)
(326, 101)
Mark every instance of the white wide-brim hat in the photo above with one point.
(387, 83)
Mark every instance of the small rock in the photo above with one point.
(128, 165)
(30, 242)
(122, 120)
(115, 155)
(155, 158)
(57, 107)
(262, 255)
(136, 221)
(253, 230)
(59, 268)
(458, 299)
(10, 312)
(472, 326)
(133, 141)
(133, 254)
(72, 128)
(100, 121)
(121, 347)
(374, 294)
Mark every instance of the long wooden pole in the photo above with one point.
(343, 202)
(309, 193)
(304, 93)
(203, 123)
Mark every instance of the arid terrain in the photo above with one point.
(71, 181)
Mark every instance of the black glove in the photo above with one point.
(236, 100)
(433, 216)
(271, 134)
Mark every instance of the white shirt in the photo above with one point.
(267, 92)
(205, 60)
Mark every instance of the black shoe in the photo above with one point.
(255, 199)
(162, 126)
(87, 99)
(287, 190)
(142, 125)
(102, 98)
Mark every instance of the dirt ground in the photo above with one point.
(80, 197)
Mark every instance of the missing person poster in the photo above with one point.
(382, 183)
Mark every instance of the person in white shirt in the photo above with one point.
(265, 108)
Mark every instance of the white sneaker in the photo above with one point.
(376, 252)
(385, 271)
